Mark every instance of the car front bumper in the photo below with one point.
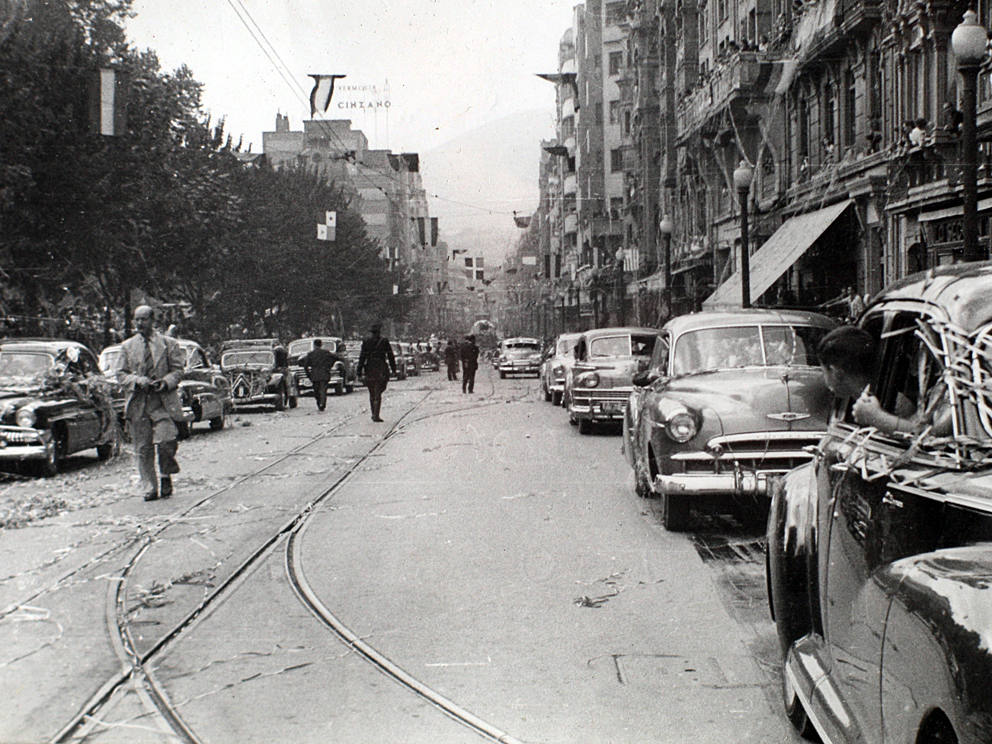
(23, 443)
(738, 483)
(520, 368)
(268, 399)
(599, 404)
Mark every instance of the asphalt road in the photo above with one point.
(490, 568)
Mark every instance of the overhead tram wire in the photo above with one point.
(284, 71)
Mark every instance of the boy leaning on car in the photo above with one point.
(150, 369)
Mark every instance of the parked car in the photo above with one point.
(258, 371)
(429, 359)
(519, 356)
(401, 368)
(554, 368)
(342, 375)
(411, 358)
(204, 391)
(728, 400)
(54, 402)
(600, 380)
(879, 556)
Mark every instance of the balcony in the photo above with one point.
(858, 15)
(606, 226)
(739, 76)
(569, 186)
(571, 223)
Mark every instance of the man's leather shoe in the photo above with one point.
(376, 418)
(151, 496)
(165, 489)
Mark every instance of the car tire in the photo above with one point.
(795, 712)
(182, 430)
(547, 393)
(280, 404)
(339, 389)
(293, 401)
(555, 398)
(585, 426)
(52, 463)
(216, 424)
(642, 480)
(675, 512)
(502, 375)
(349, 389)
(105, 451)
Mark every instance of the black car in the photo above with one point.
(258, 372)
(54, 402)
(880, 549)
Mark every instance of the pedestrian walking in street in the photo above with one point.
(451, 359)
(469, 354)
(150, 368)
(375, 363)
(318, 364)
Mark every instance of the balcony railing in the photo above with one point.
(738, 76)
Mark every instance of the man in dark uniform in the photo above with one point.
(469, 354)
(318, 364)
(375, 363)
(451, 358)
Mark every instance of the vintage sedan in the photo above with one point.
(411, 358)
(258, 371)
(342, 375)
(204, 391)
(54, 402)
(728, 400)
(600, 381)
(519, 356)
(555, 367)
(401, 369)
(880, 549)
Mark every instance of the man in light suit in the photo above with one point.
(150, 369)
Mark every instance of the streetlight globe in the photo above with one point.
(743, 175)
(665, 226)
(969, 41)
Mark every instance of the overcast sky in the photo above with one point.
(451, 65)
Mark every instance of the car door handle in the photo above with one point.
(890, 500)
(841, 467)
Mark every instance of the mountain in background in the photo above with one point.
(481, 177)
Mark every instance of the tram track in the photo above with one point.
(136, 665)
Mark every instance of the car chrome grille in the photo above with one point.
(766, 452)
(595, 394)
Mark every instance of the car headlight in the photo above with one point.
(589, 379)
(681, 427)
(26, 418)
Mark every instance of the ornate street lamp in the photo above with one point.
(969, 42)
(743, 176)
(665, 227)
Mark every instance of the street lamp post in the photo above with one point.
(665, 227)
(969, 42)
(743, 175)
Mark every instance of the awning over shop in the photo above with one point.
(778, 253)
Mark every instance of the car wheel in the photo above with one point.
(106, 451)
(293, 401)
(555, 398)
(676, 512)
(216, 424)
(585, 426)
(349, 388)
(502, 375)
(642, 480)
(339, 389)
(281, 401)
(547, 393)
(182, 430)
(794, 710)
(51, 464)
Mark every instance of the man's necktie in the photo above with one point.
(149, 360)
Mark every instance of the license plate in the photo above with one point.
(610, 406)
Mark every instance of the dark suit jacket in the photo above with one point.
(318, 364)
(376, 358)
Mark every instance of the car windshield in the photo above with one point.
(621, 346)
(296, 348)
(746, 346)
(241, 358)
(24, 365)
(566, 347)
(522, 346)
